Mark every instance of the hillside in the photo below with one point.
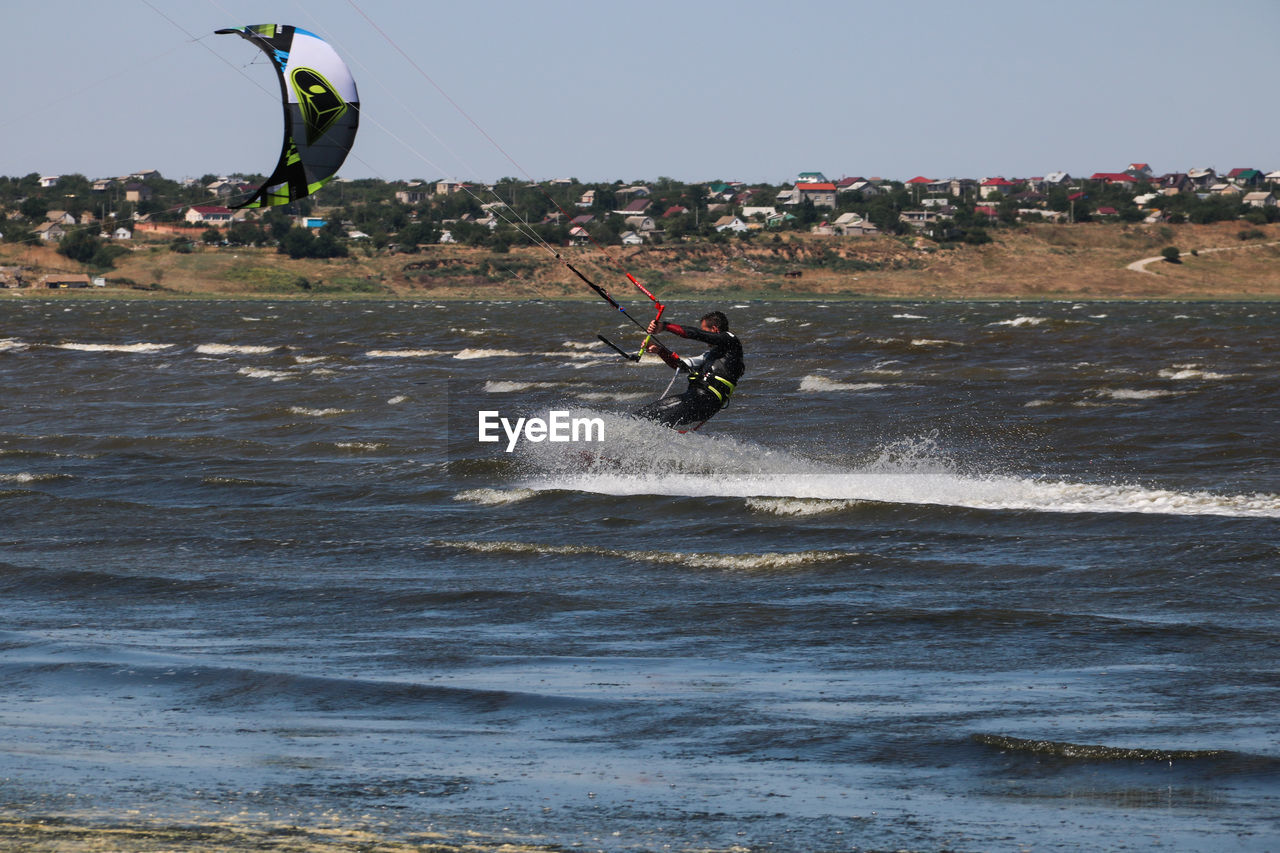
(1028, 262)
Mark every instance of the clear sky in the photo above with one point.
(603, 90)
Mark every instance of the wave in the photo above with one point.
(1191, 371)
(1022, 320)
(8, 344)
(500, 387)
(140, 347)
(695, 560)
(24, 477)
(1134, 393)
(1095, 752)
(234, 349)
(264, 373)
(469, 353)
(638, 458)
(798, 506)
(317, 413)
(405, 353)
(494, 497)
(822, 383)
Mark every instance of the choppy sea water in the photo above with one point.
(944, 575)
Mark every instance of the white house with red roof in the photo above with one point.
(822, 194)
(1116, 179)
(208, 214)
(996, 186)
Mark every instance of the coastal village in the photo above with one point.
(97, 221)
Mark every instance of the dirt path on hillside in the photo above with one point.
(1141, 266)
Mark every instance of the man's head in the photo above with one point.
(715, 321)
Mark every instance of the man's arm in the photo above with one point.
(694, 334)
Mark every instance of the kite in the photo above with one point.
(321, 111)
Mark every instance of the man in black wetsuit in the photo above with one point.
(712, 375)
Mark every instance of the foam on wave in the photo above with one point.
(638, 458)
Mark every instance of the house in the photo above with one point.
(1224, 189)
(412, 196)
(583, 220)
(449, 187)
(811, 178)
(208, 214)
(1045, 215)
(636, 208)
(446, 236)
(578, 236)
(630, 238)
(122, 233)
(61, 217)
(996, 186)
(1260, 199)
(1202, 178)
(643, 224)
(136, 192)
(1115, 179)
(762, 212)
(587, 199)
(853, 225)
(638, 191)
(919, 182)
(1245, 177)
(778, 220)
(47, 181)
(62, 281)
(1273, 177)
(103, 184)
(867, 188)
(1141, 171)
(50, 231)
(1176, 181)
(1056, 179)
(918, 219)
(731, 223)
(674, 210)
(822, 194)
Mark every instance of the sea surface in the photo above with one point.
(969, 576)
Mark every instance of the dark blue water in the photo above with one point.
(944, 575)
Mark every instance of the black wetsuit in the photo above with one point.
(712, 379)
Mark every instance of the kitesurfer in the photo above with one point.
(713, 376)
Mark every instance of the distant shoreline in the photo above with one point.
(1035, 263)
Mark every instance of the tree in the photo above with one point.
(297, 243)
(1171, 254)
(79, 245)
(34, 207)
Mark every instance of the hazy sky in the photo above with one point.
(692, 89)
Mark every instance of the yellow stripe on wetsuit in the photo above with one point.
(724, 396)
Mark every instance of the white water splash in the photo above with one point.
(637, 458)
